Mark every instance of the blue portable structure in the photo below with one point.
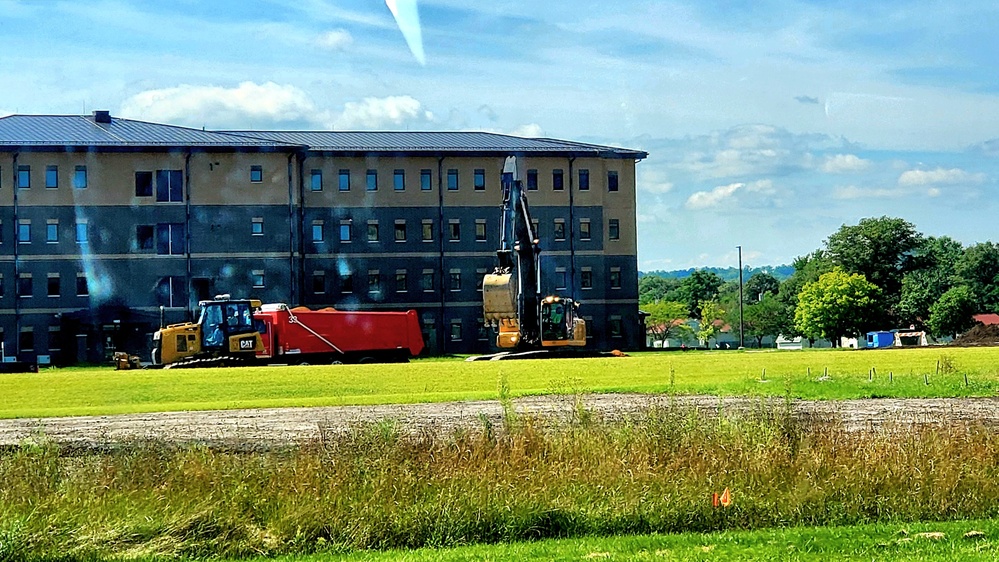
(880, 339)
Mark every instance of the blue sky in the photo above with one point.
(769, 124)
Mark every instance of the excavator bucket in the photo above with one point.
(499, 297)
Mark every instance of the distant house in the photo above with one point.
(987, 319)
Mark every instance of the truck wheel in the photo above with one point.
(336, 362)
(366, 360)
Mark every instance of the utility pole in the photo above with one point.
(742, 329)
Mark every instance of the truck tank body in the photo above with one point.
(297, 334)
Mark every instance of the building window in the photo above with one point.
(343, 181)
(426, 180)
(480, 277)
(374, 281)
(317, 232)
(584, 229)
(480, 230)
(615, 278)
(169, 185)
(51, 177)
(256, 174)
(1, 289)
(532, 180)
(170, 292)
(372, 231)
(52, 286)
(26, 341)
(613, 229)
(560, 229)
(399, 180)
(372, 180)
(558, 180)
(24, 177)
(143, 184)
(400, 231)
(456, 330)
(257, 276)
(586, 278)
(560, 280)
(454, 278)
(345, 231)
(316, 181)
(612, 180)
(82, 287)
(170, 239)
(24, 286)
(584, 180)
(52, 232)
(55, 339)
(318, 282)
(479, 180)
(347, 283)
(452, 179)
(82, 233)
(400, 281)
(427, 280)
(454, 230)
(80, 177)
(24, 231)
(614, 326)
(427, 232)
(144, 236)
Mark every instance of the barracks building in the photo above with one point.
(109, 225)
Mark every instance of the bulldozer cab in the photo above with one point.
(222, 319)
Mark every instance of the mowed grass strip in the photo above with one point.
(813, 374)
(882, 542)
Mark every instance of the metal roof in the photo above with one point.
(435, 142)
(84, 131)
(69, 131)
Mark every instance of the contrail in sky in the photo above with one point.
(408, 18)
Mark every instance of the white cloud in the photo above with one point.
(335, 40)
(718, 195)
(939, 176)
(529, 130)
(248, 105)
(705, 199)
(844, 163)
(378, 113)
(854, 192)
(653, 180)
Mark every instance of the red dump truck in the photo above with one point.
(303, 336)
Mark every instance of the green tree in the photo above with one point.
(758, 285)
(653, 288)
(978, 268)
(667, 320)
(838, 304)
(767, 317)
(711, 321)
(807, 268)
(880, 249)
(922, 287)
(700, 287)
(953, 313)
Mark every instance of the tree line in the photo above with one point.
(879, 274)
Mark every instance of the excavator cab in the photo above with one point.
(225, 329)
(559, 324)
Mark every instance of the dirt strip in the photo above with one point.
(277, 427)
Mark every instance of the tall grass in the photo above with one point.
(377, 487)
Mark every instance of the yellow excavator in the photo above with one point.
(511, 294)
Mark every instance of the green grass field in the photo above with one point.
(897, 373)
